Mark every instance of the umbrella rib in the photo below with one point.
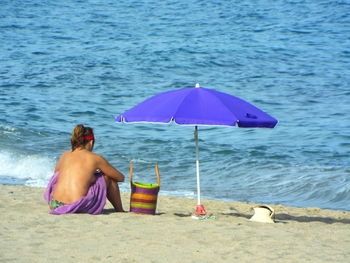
(226, 107)
(179, 105)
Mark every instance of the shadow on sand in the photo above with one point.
(284, 218)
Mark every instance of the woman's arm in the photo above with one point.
(109, 170)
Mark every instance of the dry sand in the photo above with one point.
(29, 234)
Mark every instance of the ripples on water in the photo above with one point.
(71, 62)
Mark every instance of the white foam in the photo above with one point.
(34, 170)
(8, 128)
(184, 193)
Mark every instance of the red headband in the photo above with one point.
(90, 137)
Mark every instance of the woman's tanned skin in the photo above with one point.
(77, 169)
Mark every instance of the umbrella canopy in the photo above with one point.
(198, 106)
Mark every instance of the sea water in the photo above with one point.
(69, 62)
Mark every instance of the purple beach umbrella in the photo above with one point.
(198, 106)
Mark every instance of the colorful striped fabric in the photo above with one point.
(144, 198)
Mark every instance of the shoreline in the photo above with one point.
(206, 199)
(30, 234)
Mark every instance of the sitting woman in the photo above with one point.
(82, 180)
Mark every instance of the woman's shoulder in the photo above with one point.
(97, 158)
(95, 155)
(64, 154)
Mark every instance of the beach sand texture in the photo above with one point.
(29, 234)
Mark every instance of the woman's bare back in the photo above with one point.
(76, 171)
(76, 174)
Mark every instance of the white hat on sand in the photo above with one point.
(264, 214)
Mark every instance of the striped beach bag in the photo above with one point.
(143, 199)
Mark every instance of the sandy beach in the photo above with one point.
(30, 234)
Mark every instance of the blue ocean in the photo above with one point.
(73, 62)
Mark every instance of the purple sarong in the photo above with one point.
(92, 203)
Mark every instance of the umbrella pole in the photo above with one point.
(200, 210)
(197, 165)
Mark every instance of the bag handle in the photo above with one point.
(130, 172)
(157, 173)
